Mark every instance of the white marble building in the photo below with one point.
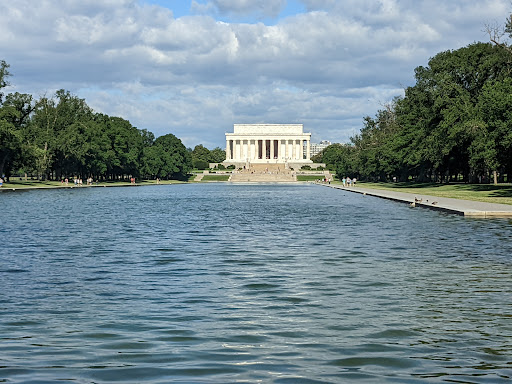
(268, 144)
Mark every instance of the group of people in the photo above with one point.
(77, 181)
(348, 182)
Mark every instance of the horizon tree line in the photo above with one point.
(61, 137)
(454, 124)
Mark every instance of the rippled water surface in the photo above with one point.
(219, 283)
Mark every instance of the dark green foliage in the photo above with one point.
(454, 123)
(201, 153)
(317, 158)
(202, 156)
(167, 158)
(217, 155)
(200, 164)
(61, 137)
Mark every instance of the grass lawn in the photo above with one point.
(501, 194)
(22, 184)
(214, 177)
(17, 183)
(309, 177)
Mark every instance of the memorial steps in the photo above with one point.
(264, 173)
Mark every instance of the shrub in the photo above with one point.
(201, 164)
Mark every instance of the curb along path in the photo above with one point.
(465, 208)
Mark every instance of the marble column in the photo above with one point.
(308, 149)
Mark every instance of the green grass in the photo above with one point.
(501, 194)
(309, 177)
(32, 184)
(22, 184)
(214, 177)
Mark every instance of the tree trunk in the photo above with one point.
(2, 164)
(495, 175)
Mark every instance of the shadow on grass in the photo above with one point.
(500, 190)
(492, 190)
(31, 183)
(410, 185)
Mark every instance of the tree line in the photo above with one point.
(62, 137)
(454, 124)
(202, 157)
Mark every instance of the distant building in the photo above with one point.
(268, 144)
(316, 148)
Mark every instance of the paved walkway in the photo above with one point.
(460, 207)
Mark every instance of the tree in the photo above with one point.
(61, 136)
(4, 74)
(200, 157)
(16, 110)
(454, 121)
(10, 141)
(332, 154)
(496, 34)
(345, 164)
(492, 147)
(14, 113)
(152, 161)
(52, 117)
(167, 158)
(317, 158)
(217, 155)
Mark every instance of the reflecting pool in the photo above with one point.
(221, 283)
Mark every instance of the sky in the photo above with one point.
(195, 68)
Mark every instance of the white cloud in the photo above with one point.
(315, 5)
(195, 76)
(242, 8)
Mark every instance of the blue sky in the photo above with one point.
(184, 8)
(178, 7)
(195, 68)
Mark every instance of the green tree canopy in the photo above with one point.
(167, 158)
(454, 122)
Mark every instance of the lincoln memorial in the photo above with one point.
(268, 144)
